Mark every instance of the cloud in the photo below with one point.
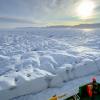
(13, 20)
(39, 11)
(33, 8)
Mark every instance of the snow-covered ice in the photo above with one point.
(36, 63)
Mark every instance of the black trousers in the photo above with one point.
(93, 97)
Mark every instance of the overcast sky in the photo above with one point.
(16, 13)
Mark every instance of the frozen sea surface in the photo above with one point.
(34, 60)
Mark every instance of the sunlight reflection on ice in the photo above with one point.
(83, 49)
(88, 30)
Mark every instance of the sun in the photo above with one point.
(85, 9)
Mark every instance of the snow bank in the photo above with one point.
(97, 61)
(32, 83)
(62, 75)
(86, 67)
(4, 64)
(32, 86)
(47, 63)
(61, 58)
(6, 82)
(64, 72)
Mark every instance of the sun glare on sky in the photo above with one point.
(40, 13)
(85, 9)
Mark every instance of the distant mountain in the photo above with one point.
(96, 25)
(58, 26)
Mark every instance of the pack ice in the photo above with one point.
(36, 63)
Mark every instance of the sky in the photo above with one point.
(28, 13)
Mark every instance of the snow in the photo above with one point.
(64, 72)
(85, 66)
(36, 63)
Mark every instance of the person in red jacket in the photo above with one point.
(95, 88)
